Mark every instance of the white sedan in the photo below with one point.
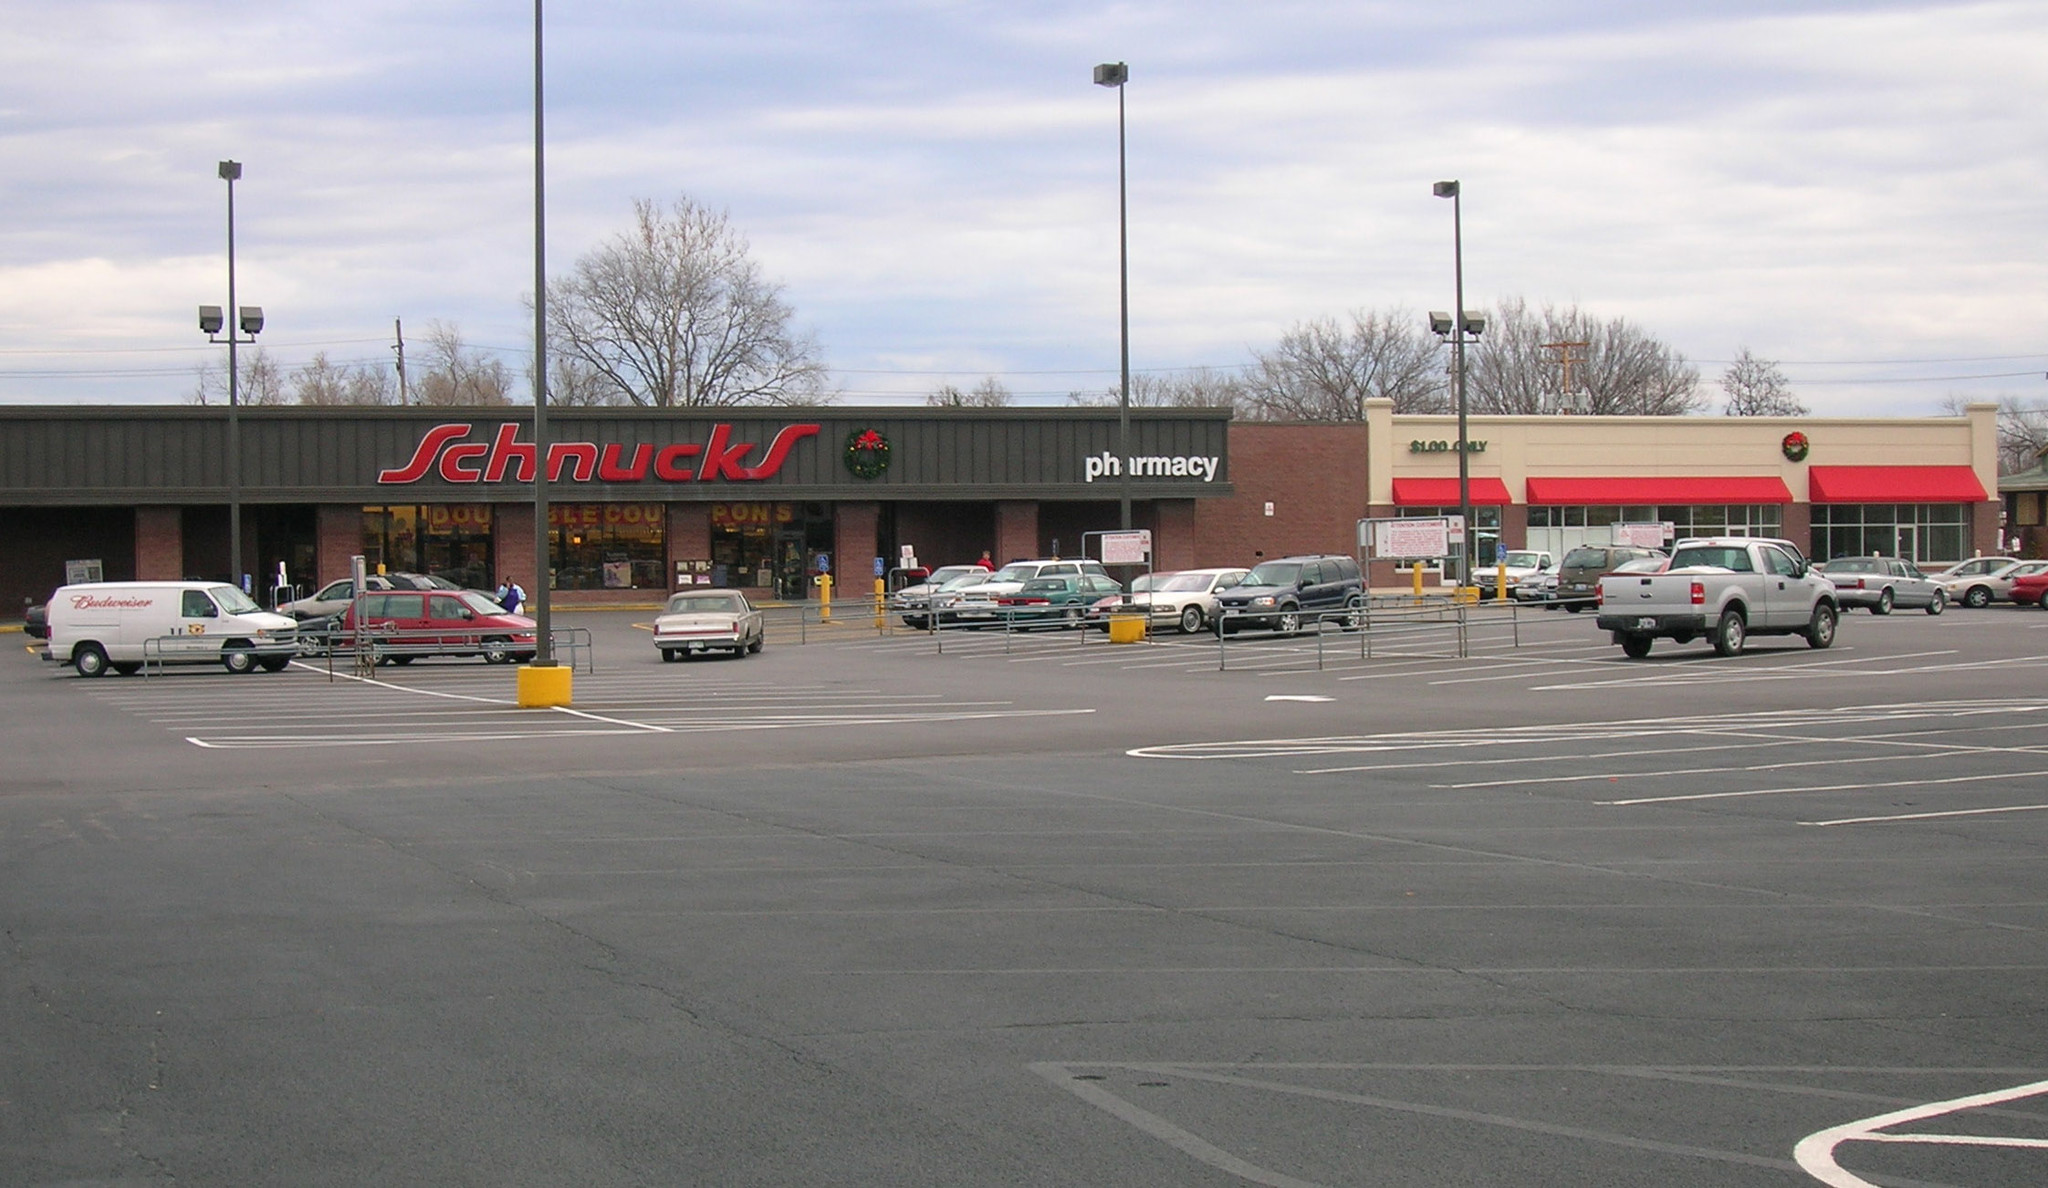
(1186, 598)
(708, 620)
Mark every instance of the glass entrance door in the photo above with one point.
(791, 581)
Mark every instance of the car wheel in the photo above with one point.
(1938, 603)
(403, 660)
(1354, 613)
(1289, 622)
(916, 623)
(1884, 602)
(90, 659)
(1635, 647)
(1573, 607)
(760, 641)
(238, 659)
(127, 667)
(275, 663)
(1820, 630)
(1190, 619)
(1072, 618)
(497, 650)
(1730, 633)
(1977, 597)
(668, 655)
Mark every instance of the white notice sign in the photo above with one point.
(1127, 548)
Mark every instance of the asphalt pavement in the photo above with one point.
(1031, 908)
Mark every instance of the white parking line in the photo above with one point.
(1977, 812)
(1921, 783)
(1815, 1154)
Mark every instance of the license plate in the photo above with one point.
(1646, 624)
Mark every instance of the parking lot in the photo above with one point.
(1001, 907)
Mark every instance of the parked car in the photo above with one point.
(1518, 564)
(1976, 582)
(2029, 589)
(1880, 583)
(1537, 588)
(1186, 599)
(1579, 573)
(705, 620)
(95, 626)
(333, 598)
(1063, 600)
(35, 621)
(400, 626)
(913, 603)
(975, 602)
(1277, 594)
(1726, 589)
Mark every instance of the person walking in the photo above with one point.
(511, 595)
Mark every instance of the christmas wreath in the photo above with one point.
(867, 453)
(1795, 446)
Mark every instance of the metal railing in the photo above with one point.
(1407, 626)
(367, 649)
(185, 648)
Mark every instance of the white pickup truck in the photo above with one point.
(1724, 588)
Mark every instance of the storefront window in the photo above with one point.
(608, 546)
(771, 546)
(1712, 519)
(447, 540)
(1923, 532)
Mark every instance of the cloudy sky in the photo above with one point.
(1857, 189)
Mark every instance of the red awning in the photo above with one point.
(1610, 492)
(1443, 492)
(1895, 484)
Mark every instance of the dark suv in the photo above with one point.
(1579, 574)
(1277, 594)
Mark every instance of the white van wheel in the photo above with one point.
(90, 659)
(238, 659)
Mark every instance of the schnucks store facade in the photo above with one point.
(643, 501)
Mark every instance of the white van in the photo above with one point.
(120, 625)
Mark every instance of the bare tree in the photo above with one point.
(2022, 429)
(1623, 370)
(261, 381)
(453, 373)
(1197, 387)
(572, 384)
(672, 314)
(1322, 370)
(324, 382)
(1757, 388)
(989, 393)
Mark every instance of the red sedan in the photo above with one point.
(2030, 588)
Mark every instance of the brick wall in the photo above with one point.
(512, 533)
(1016, 530)
(856, 542)
(689, 535)
(337, 538)
(159, 543)
(1315, 477)
(1173, 538)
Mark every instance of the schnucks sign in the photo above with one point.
(447, 451)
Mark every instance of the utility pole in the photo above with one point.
(398, 331)
(1566, 360)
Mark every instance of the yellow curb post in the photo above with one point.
(543, 688)
(1126, 629)
(824, 598)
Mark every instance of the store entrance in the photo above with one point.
(792, 579)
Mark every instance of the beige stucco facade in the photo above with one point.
(1518, 448)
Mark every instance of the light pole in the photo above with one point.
(249, 321)
(1467, 326)
(543, 634)
(1115, 74)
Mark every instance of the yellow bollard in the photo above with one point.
(541, 688)
(824, 598)
(881, 604)
(1500, 581)
(1418, 578)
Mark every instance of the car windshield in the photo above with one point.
(1849, 565)
(1585, 558)
(479, 603)
(1014, 573)
(947, 573)
(704, 604)
(1521, 560)
(1149, 581)
(231, 600)
(1187, 583)
(1714, 556)
(1274, 573)
(1047, 586)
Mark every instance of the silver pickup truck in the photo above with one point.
(1724, 588)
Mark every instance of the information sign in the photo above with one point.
(1127, 548)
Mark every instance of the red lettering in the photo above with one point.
(665, 463)
(504, 451)
(582, 453)
(778, 450)
(423, 457)
(610, 471)
(455, 454)
(722, 460)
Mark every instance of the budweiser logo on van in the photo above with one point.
(93, 602)
(446, 450)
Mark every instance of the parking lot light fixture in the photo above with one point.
(1453, 191)
(1115, 75)
(249, 322)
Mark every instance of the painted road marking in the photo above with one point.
(1976, 812)
(1297, 697)
(1815, 1154)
